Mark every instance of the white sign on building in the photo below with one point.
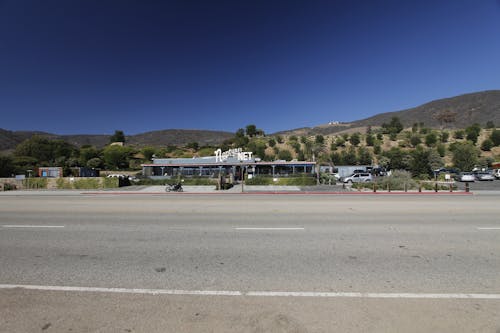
(238, 153)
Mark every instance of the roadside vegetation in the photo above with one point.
(417, 149)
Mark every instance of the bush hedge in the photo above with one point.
(284, 181)
(35, 183)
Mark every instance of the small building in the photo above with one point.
(232, 162)
(50, 172)
(84, 172)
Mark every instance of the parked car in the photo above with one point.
(484, 176)
(466, 177)
(451, 171)
(496, 173)
(358, 178)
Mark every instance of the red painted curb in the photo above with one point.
(281, 193)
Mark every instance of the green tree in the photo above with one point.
(495, 137)
(419, 163)
(394, 126)
(349, 156)
(257, 147)
(340, 142)
(240, 141)
(296, 146)
(148, 153)
(44, 151)
(430, 139)
(441, 149)
(472, 132)
(251, 130)
(94, 163)
(370, 140)
(465, 156)
(116, 157)
(86, 154)
(271, 142)
(444, 137)
(320, 139)
(415, 140)
(119, 136)
(364, 156)
(23, 163)
(193, 145)
(435, 160)
(414, 128)
(285, 154)
(7, 167)
(336, 158)
(487, 145)
(240, 133)
(355, 139)
(459, 134)
(398, 159)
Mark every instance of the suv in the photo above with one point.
(358, 178)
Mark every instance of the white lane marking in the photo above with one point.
(270, 228)
(253, 293)
(125, 290)
(31, 226)
(489, 228)
(371, 295)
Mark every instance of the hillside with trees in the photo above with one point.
(417, 149)
(450, 138)
(450, 113)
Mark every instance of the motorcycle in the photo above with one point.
(174, 188)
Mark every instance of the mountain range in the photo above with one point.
(466, 109)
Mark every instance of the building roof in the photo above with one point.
(211, 161)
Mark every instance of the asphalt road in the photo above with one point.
(250, 263)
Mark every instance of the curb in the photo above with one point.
(281, 193)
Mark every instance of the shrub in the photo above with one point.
(301, 180)
(487, 145)
(415, 140)
(459, 134)
(110, 182)
(63, 184)
(86, 183)
(328, 179)
(9, 187)
(495, 137)
(397, 181)
(444, 137)
(430, 139)
(35, 183)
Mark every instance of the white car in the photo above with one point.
(484, 176)
(496, 173)
(466, 177)
(358, 178)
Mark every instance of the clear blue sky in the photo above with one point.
(93, 66)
